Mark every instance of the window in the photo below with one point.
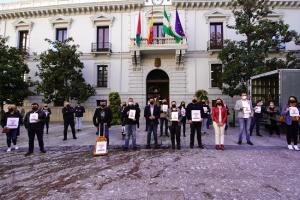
(103, 38)
(158, 30)
(61, 34)
(23, 40)
(216, 35)
(102, 76)
(216, 75)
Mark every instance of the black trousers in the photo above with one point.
(175, 133)
(163, 121)
(292, 133)
(68, 123)
(47, 124)
(195, 127)
(183, 122)
(39, 134)
(274, 127)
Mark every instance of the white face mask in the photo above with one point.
(272, 105)
(244, 97)
(130, 103)
(260, 104)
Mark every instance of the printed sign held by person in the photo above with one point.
(196, 116)
(12, 123)
(132, 114)
(174, 116)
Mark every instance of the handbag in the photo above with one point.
(5, 130)
(281, 118)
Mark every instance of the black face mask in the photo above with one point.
(219, 104)
(10, 110)
(151, 102)
(34, 108)
(173, 106)
(102, 106)
(194, 101)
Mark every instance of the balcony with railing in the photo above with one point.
(160, 43)
(164, 45)
(101, 48)
(215, 45)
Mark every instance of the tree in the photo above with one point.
(60, 71)
(250, 56)
(201, 95)
(115, 102)
(13, 87)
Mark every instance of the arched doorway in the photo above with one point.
(157, 85)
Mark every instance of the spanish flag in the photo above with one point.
(150, 34)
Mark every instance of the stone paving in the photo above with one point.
(68, 170)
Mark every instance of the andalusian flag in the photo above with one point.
(138, 37)
(150, 34)
(167, 28)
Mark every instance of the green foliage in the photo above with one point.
(60, 71)
(115, 102)
(201, 95)
(250, 56)
(13, 88)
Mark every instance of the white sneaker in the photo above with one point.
(8, 150)
(296, 148)
(290, 147)
(16, 147)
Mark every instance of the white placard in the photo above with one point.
(246, 107)
(174, 116)
(165, 108)
(183, 112)
(294, 112)
(257, 109)
(33, 118)
(12, 123)
(205, 109)
(196, 115)
(132, 114)
(101, 147)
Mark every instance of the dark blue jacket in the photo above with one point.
(156, 113)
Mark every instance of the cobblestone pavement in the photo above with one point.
(68, 170)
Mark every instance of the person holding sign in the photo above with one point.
(183, 118)
(273, 112)
(47, 112)
(205, 118)
(219, 115)
(34, 123)
(174, 116)
(152, 113)
(102, 119)
(11, 121)
(291, 113)
(245, 112)
(131, 114)
(194, 113)
(258, 114)
(163, 118)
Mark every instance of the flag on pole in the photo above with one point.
(150, 34)
(167, 28)
(178, 27)
(138, 32)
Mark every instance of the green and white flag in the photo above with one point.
(167, 28)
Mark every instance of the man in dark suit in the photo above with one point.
(68, 116)
(152, 113)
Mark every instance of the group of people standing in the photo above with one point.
(171, 119)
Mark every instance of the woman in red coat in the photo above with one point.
(219, 115)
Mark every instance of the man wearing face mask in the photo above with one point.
(34, 123)
(245, 112)
(102, 119)
(152, 113)
(206, 115)
(68, 115)
(257, 118)
(273, 112)
(131, 114)
(163, 118)
(194, 114)
(174, 117)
